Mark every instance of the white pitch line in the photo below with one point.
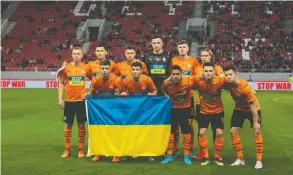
(282, 101)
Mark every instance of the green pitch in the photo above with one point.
(32, 140)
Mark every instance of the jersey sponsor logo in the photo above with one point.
(96, 73)
(158, 69)
(185, 72)
(208, 97)
(76, 80)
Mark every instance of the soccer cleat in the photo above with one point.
(96, 158)
(218, 162)
(66, 153)
(116, 159)
(200, 156)
(151, 159)
(192, 155)
(167, 159)
(258, 165)
(187, 160)
(238, 162)
(205, 161)
(81, 154)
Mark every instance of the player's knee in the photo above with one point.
(219, 132)
(234, 130)
(80, 125)
(201, 133)
(68, 125)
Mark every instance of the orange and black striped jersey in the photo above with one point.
(179, 93)
(187, 65)
(144, 85)
(124, 68)
(243, 95)
(93, 68)
(210, 94)
(199, 70)
(110, 86)
(74, 77)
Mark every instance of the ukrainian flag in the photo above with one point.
(128, 126)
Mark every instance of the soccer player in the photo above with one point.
(205, 57)
(211, 111)
(93, 67)
(158, 62)
(179, 92)
(138, 83)
(124, 67)
(246, 107)
(73, 74)
(105, 83)
(187, 64)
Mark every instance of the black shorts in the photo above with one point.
(74, 108)
(216, 120)
(197, 111)
(238, 118)
(181, 116)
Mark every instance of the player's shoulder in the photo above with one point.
(244, 85)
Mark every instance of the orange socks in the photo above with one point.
(258, 142)
(237, 144)
(192, 134)
(170, 144)
(219, 142)
(81, 137)
(203, 144)
(67, 137)
(186, 144)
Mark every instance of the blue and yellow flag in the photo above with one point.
(128, 126)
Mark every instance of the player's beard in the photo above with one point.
(105, 77)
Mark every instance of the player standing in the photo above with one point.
(187, 64)
(73, 74)
(246, 107)
(211, 111)
(179, 92)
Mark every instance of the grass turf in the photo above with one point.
(32, 140)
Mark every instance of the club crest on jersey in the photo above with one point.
(189, 65)
(164, 59)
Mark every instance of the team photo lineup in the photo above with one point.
(146, 87)
(175, 78)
